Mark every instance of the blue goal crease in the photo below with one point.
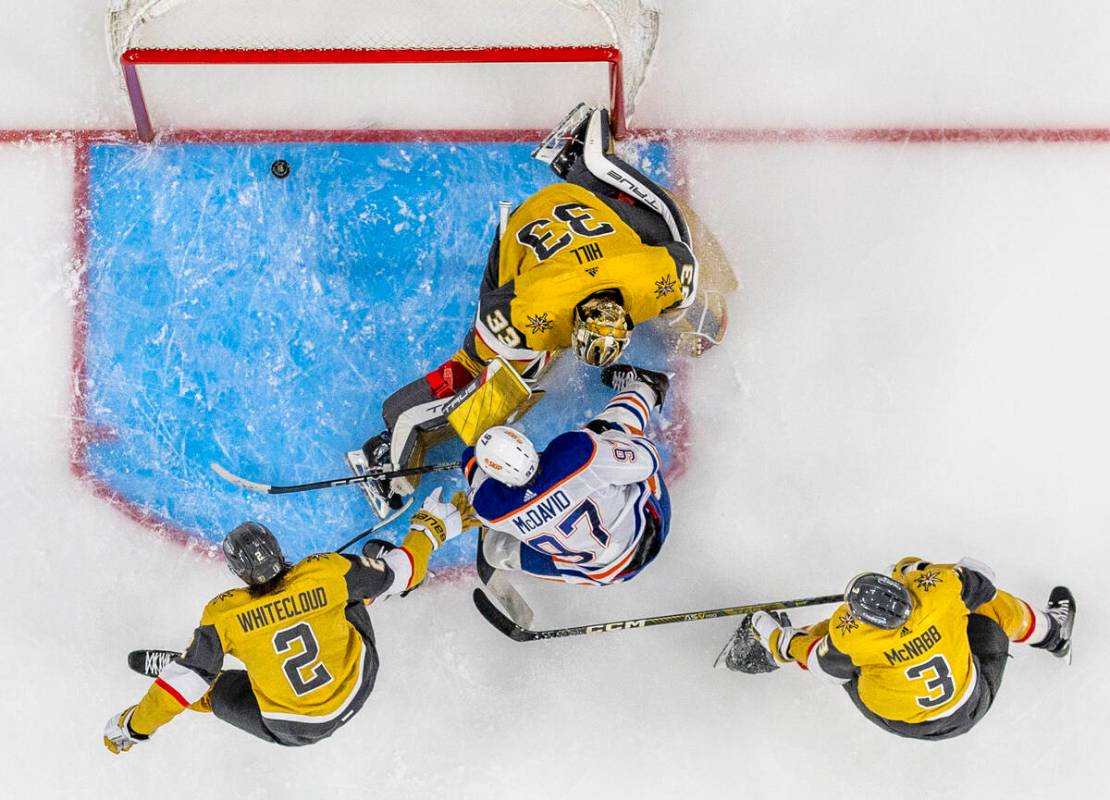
(259, 322)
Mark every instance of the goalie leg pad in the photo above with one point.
(492, 398)
(597, 153)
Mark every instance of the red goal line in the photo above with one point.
(876, 135)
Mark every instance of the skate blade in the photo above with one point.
(719, 661)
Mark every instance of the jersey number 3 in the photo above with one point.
(538, 234)
(938, 680)
(295, 665)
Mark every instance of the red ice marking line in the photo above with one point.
(906, 135)
(972, 135)
(81, 433)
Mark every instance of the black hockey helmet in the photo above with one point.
(253, 554)
(878, 600)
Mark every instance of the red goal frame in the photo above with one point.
(132, 59)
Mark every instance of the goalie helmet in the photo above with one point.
(507, 456)
(878, 600)
(253, 554)
(601, 331)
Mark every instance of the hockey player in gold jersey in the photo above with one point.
(922, 651)
(303, 632)
(577, 265)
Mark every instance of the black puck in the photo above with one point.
(280, 168)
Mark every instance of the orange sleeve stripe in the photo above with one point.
(172, 692)
(616, 567)
(632, 397)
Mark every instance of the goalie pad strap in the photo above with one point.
(449, 377)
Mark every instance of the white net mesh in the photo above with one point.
(630, 25)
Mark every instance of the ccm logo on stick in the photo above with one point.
(615, 626)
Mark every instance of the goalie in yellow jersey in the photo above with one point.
(921, 652)
(303, 632)
(577, 265)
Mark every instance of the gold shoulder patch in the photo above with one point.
(928, 579)
(846, 623)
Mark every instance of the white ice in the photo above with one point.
(917, 364)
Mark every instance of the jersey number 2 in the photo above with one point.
(295, 664)
(939, 683)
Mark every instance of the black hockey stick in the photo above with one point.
(518, 634)
(266, 488)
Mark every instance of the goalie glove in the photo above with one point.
(118, 736)
(773, 631)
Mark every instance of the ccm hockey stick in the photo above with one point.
(519, 634)
(266, 488)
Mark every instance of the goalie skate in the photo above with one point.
(553, 151)
(386, 503)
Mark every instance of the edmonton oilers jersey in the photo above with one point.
(585, 506)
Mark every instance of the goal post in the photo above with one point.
(619, 35)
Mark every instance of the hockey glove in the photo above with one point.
(441, 521)
(774, 633)
(118, 736)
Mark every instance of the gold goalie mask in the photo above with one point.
(601, 331)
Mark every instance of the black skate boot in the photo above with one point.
(374, 456)
(1061, 612)
(621, 376)
(150, 662)
(562, 147)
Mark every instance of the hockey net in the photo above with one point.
(288, 39)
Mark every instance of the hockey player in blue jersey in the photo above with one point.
(590, 509)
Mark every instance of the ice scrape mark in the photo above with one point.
(326, 302)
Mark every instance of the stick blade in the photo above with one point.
(231, 477)
(494, 617)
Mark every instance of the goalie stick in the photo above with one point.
(266, 488)
(520, 634)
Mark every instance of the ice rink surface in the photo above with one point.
(916, 365)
